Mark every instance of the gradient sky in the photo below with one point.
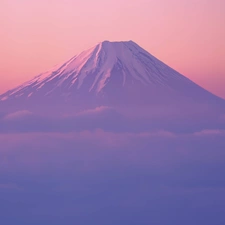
(188, 35)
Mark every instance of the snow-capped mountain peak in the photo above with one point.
(99, 61)
(111, 71)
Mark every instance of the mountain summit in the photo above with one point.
(110, 73)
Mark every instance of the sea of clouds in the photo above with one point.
(101, 167)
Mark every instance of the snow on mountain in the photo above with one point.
(101, 59)
(109, 71)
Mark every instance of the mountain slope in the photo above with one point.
(110, 73)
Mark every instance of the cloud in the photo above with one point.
(107, 119)
(97, 110)
(99, 118)
(142, 149)
(18, 115)
(100, 165)
(85, 175)
(210, 132)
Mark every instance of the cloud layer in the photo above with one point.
(112, 120)
(101, 166)
(109, 177)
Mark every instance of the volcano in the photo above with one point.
(112, 74)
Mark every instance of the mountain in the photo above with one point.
(118, 74)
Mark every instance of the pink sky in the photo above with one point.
(188, 35)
